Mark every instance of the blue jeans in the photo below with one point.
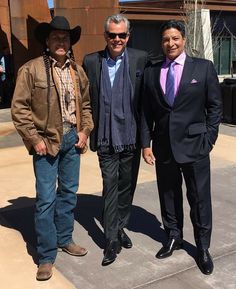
(57, 180)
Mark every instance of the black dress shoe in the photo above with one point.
(113, 248)
(124, 239)
(205, 262)
(167, 250)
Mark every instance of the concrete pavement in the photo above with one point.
(134, 268)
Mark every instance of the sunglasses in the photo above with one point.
(120, 35)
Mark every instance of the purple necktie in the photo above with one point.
(170, 84)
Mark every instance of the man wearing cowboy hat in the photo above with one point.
(51, 111)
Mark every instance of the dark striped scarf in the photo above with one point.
(117, 125)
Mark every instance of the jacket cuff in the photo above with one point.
(86, 131)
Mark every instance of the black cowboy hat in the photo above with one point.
(43, 30)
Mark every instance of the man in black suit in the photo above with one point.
(115, 76)
(181, 116)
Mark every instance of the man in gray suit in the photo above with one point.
(115, 76)
(181, 115)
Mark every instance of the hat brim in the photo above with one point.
(43, 30)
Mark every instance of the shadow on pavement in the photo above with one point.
(20, 216)
(89, 209)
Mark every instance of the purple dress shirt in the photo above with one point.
(178, 68)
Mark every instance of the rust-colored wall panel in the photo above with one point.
(4, 16)
(88, 44)
(22, 8)
(90, 15)
(3, 3)
(83, 18)
(17, 10)
(86, 3)
(19, 28)
(5, 29)
(25, 15)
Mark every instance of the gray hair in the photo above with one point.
(117, 18)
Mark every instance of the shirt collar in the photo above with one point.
(179, 60)
(55, 63)
(108, 57)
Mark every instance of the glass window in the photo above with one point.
(234, 56)
(216, 54)
(225, 56)
(224, 53)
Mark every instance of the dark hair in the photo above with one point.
(173, 24)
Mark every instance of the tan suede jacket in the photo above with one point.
(38, 117)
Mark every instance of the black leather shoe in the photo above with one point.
(124, 239)
(205, 262)
(113, 248)
(169, 248)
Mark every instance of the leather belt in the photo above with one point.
(67, 127)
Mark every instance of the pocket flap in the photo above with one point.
(43, 84)
(197, 128)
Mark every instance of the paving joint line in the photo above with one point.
(181, 271)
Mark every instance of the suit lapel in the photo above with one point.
(99, 68)
(156, 79)
(157, 85)
(132, 67)
(186, 76)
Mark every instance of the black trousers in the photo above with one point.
(197, 180)
(119, 173)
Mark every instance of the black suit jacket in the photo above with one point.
(188, 130)
(92, 65)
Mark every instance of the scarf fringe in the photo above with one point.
(103, 142)
(122, 148)
(117, 148)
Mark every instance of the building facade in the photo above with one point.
(20, 17)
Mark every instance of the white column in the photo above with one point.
(206, 34)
